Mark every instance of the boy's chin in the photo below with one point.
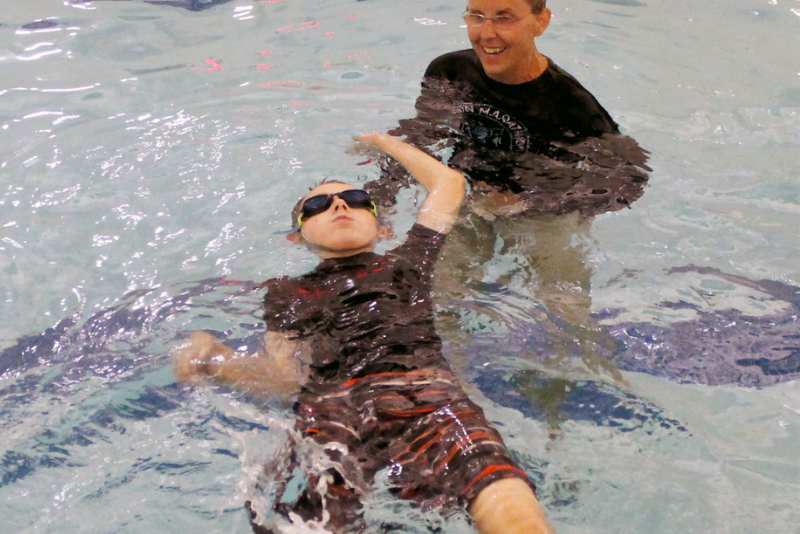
(345, 245)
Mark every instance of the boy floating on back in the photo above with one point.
(355, 336)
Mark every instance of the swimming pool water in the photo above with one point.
(148, 150)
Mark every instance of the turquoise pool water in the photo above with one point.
(148, 149)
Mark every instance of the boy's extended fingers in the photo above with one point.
(184, 361)
(364, 145)
(369, 137)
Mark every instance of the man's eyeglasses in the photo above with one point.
(503, 20)
(354, 198)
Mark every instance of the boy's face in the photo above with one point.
(340, 230)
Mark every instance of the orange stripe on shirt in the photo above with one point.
(490, 470)
(416, 454)
(474, 437)
(413, 411)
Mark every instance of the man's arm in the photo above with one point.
(445, 186)
(277, 371)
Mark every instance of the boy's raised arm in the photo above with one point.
(445, 186)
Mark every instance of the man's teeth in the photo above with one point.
(493, 50)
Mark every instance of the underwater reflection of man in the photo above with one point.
(540, 152)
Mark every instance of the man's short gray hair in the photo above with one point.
(537, 5)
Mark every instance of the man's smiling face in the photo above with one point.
(504, 41)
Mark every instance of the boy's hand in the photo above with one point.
(371, 138)
(193, 360)
(366, 144)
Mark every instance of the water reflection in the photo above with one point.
(115, 341)
(82, 385)
(707, 346)
(718, 347)
(192, 5)
(555, 400)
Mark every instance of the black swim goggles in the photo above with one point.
(354, 198)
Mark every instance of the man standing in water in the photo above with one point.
(541, 154)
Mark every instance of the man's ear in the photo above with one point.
(294, 237)
(542, 20)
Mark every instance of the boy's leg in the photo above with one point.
(452, 454)
(508, 506)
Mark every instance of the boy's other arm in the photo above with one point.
(277, 371)
(445, 186)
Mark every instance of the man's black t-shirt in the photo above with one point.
(521, 117)
(548, 140)
(364, 313)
